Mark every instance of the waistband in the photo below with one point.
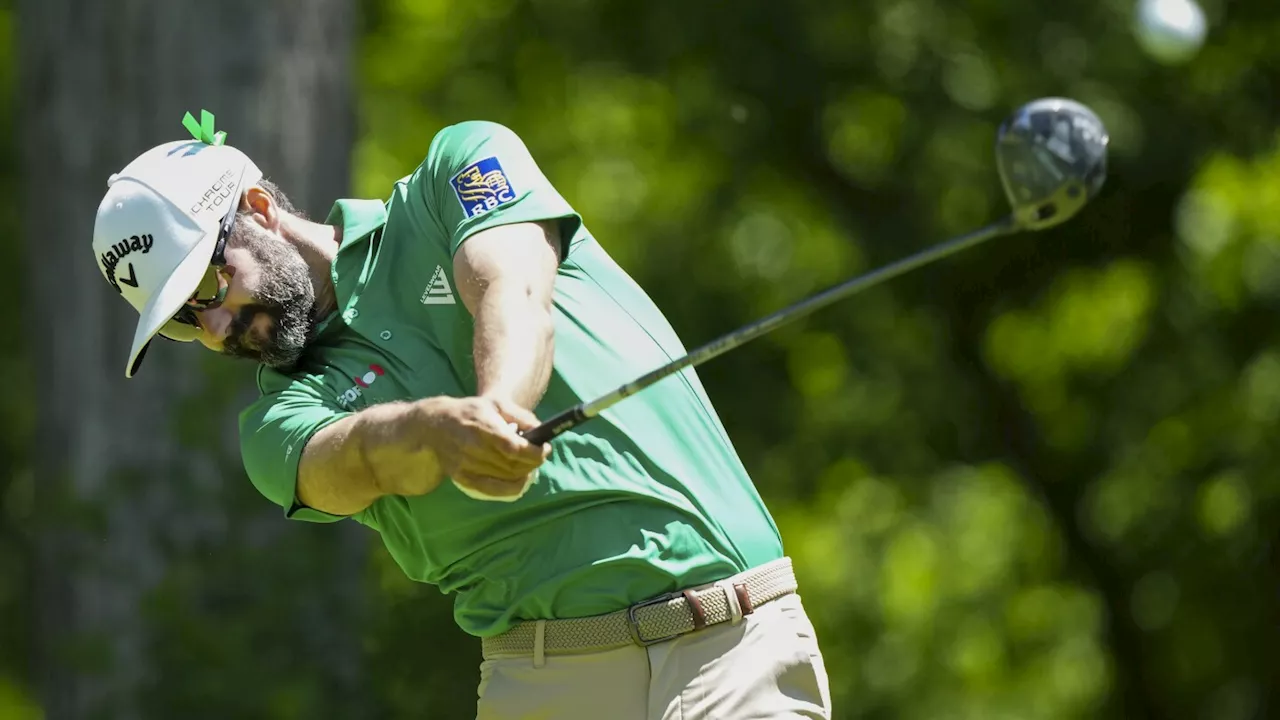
(651, 621)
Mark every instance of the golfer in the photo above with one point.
(627, 570)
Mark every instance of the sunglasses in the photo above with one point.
(211, 291)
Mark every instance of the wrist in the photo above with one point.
(497, 395)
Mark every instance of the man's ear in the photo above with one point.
(261, 208)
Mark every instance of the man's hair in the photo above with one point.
(278, 197)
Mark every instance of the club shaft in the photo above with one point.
(581, 413)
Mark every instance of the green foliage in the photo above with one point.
(1034, 481)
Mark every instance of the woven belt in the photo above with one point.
(656, 620)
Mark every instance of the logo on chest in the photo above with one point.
(438, 291)
(362, 381)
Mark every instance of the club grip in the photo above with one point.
(553, 427)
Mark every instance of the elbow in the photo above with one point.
(540, 302)
(532, 295)
(545, 325)
(534, 305)
(394, 453)
(544, 329)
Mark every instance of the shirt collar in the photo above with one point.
(359, 220)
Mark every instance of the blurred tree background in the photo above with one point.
(1035, 481)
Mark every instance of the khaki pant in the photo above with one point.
(766, 667)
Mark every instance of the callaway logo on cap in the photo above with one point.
(159, 223)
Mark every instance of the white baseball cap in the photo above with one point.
(160, 223)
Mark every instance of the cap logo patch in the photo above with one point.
(215, 195)
(482, 186)
(112, 257)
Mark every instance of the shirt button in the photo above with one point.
(386, 335)
(351, 314)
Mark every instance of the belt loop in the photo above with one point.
(744, 598)
(695, 609)
(731, 597)
(539, 643)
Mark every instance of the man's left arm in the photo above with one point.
(505, 276)
(508, 230)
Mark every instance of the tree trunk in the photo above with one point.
(166, 586)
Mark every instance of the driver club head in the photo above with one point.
(1052, 158)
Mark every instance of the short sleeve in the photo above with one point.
(480, 175)
(273, 432)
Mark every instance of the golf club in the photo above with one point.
(1051, 155)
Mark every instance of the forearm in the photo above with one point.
(348, 465)
(514, 344)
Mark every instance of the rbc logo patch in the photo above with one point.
(482, 186)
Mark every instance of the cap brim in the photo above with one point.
(170, 298)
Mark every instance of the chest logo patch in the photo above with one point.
(438, 291)
(362, 381)
(482, 186)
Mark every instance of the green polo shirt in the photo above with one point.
(647, 498)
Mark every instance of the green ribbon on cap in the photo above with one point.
(203, 130)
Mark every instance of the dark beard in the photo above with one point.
(290, 331)
(285, 295)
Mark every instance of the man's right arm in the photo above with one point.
(406, 448)
(348, 465)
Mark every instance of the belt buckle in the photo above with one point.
(633, 623)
